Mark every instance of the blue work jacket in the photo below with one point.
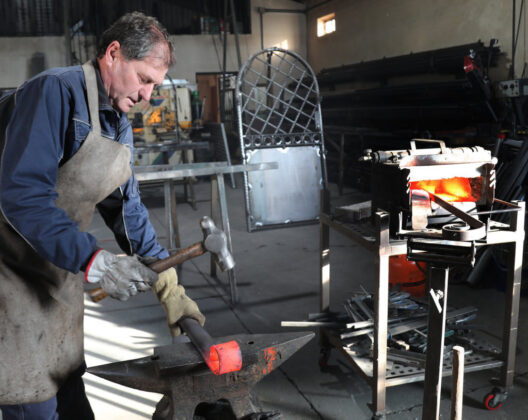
(42, 125)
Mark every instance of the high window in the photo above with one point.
(326, 24)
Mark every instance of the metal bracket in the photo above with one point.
(437, 295)
(441, 252)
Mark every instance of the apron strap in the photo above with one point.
(93, 99)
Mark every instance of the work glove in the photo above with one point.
(174, 301)
(119, 276)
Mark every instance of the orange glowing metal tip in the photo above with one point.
(224, 358)
(220, 358)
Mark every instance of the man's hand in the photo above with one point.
(120, 276)
(175, 302)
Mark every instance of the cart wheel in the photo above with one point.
(493, 400)
(324, 355)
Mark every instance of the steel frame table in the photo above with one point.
(216, 170)
(378, 240)
(174, 146)
(170, 146)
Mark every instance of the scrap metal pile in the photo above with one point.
(407, 328)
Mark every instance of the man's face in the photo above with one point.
(130, 81)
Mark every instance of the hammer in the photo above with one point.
(214, 241)
(220, 357)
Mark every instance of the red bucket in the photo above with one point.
(409, 275)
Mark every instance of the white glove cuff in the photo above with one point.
(98, 265)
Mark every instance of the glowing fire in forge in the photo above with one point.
(452, 189)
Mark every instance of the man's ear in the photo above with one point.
(112, 52)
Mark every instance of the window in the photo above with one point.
(326, 24)
(282, 44)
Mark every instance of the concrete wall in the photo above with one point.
(194, 53)
(372, 29)
(203, 53)
(17, 57)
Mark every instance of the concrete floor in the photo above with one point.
(278, 280)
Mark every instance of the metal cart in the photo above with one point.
(376, 238)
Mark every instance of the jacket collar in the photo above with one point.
(104, 100)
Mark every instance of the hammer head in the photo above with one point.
(215, 241)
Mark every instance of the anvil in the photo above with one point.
(179, 372)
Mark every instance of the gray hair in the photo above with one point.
(137, 34)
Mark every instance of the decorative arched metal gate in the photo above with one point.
(279, 120)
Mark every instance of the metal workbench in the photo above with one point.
(376, 238)
(169, 146)
(216, 170)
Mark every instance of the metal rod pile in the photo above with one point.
(407, 327)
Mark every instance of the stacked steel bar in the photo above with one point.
(441, 61)
(369, 98)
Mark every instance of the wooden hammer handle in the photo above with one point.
(181, 256)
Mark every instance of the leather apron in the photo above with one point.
(41, 305)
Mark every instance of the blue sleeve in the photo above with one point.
(141, 233)
(127, 216)
(35, 142)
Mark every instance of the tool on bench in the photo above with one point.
(178, 372)
(214, 241)
(221, 357)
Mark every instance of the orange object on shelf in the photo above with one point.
(407, 274)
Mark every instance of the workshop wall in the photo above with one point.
(203, 53)
(372, 29)
(19, 57)
(194, 53)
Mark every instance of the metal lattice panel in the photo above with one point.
(280, 97)
(279, 118)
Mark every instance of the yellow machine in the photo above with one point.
(158, 116)
(155, 121)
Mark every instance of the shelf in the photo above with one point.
(484, 357)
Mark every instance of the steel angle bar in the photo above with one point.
(311, 324)
(353, 314)
(356, 333)
(409, 326)
(407, 358)
(360, 324)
